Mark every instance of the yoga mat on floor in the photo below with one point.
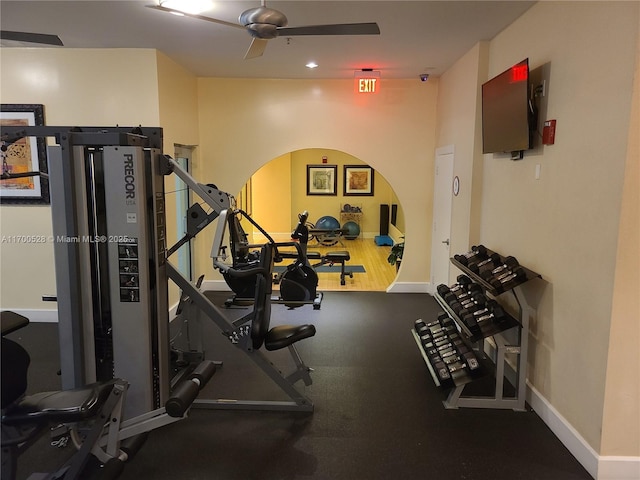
(329, 269)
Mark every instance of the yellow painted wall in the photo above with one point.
(279, 192)
(271, 193)
(76, 87)
(321, 205)
(244, 123)
(178, 107)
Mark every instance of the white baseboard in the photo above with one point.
(37, 315)
(618, 468)
(408, 287)
(568, 435)
(215, 286)
(599, 467)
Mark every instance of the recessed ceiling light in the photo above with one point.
(311, 65)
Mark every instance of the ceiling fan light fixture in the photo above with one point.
(193, 7)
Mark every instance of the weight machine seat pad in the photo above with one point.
(337, 256)
(60, 406)
(285, 335)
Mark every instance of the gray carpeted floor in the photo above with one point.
(377, 413)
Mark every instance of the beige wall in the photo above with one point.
(459, 124)
(271, 194)
(76, 87)
(245, 123)
(178, 111)
(565, 225)
(621, 419)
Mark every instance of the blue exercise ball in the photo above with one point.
(352, 230)
(328, 223)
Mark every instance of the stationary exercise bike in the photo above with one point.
(298, 282)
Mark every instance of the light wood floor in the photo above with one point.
(363, 251)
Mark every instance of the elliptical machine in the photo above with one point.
(299, 281)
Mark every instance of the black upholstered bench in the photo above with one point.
(331, 258)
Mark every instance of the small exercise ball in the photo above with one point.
(352, 230)
(327, 223)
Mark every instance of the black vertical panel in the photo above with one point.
(384, 219)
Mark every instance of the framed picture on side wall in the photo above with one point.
(23, 156)
(358, 180)
(322, 179)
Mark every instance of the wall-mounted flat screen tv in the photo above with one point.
(507, 112)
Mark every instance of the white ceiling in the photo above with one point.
(416, 36)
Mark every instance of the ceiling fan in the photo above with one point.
(26, 37)
(264, 23)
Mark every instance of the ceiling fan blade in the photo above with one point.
(42, 38)
(337, 29)
(256, 49)
(192, 15)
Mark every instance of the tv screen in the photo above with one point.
(506, 111)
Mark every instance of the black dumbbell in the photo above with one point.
(469, 317)
(495, 313)
(431, 342)
(492, 261)
(507, 281)
(471, 361)
(434, 351)
(509, 263)
(468, 361)
(461, 295)
(420, 326)
(476, 252)
(472, 304)
(451, 357)
(461, 286)
(478, 304)
(441, 329)
(442, 372)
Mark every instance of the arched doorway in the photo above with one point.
(280, 190)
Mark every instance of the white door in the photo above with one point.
(442, 202)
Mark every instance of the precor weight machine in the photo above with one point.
(108, 210)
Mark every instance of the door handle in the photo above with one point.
(446, 241)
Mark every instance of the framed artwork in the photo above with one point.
(358, 180)
(322, 179)
(27, 154)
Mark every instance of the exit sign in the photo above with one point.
(367, 82)
(367, 85)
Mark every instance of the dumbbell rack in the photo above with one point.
(502, 347)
